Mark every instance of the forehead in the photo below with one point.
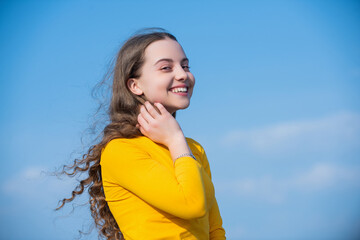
(166, 48)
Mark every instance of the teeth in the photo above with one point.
(175, 90)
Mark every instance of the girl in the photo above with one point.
(145, 179)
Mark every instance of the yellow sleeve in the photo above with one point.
(182, 195)
(217, 232)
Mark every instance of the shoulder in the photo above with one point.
(199, 153)
(196, 148)
(124, 148)
(126, 143)
(194, 143)
(118, 144)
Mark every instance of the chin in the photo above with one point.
(183, 106)
(176, 108)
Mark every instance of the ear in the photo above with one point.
(133, 85)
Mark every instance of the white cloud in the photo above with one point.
(330, 133)
(264, 188)
(35, 182)
(321, 176)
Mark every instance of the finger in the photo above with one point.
(161, 108)
(151, 109)
(141, 120)
(142, 130)
(145, 114)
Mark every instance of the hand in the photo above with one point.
(161, 127)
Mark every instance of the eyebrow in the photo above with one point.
(170, 60)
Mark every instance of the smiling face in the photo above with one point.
(165, 76)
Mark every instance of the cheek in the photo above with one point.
(158, 91)
(192, 78)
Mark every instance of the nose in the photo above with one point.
(180, 74)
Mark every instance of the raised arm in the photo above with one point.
(182, 195)
(161, 127)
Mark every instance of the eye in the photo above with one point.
(166, 68)
(186, 67)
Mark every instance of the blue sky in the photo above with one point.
(276, 106)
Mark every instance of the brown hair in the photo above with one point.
(122, 113)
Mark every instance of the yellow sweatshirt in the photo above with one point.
(150, 197)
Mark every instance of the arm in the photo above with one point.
(181, 195)
(161, 127)
(217, 232)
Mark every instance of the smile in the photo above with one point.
(179, 89)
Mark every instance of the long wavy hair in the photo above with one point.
(122, 119)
